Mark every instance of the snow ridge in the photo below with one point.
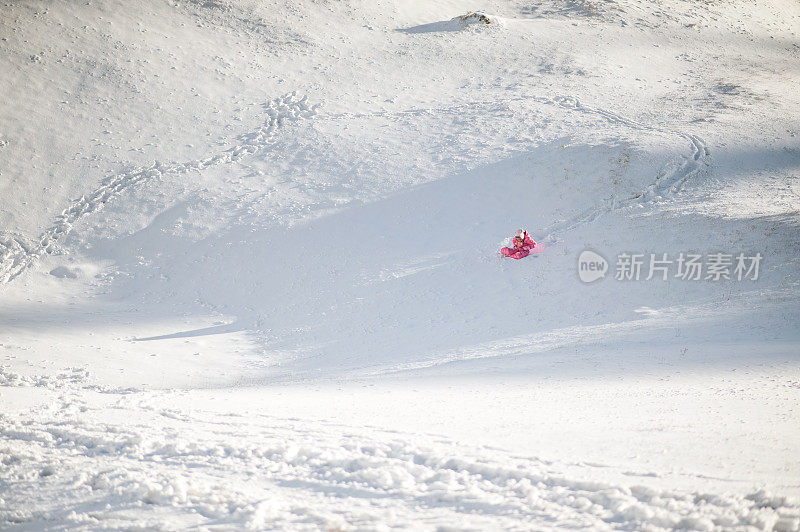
(63, 379)
(17, 253)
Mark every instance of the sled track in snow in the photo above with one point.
(17, 254)
(668, 182)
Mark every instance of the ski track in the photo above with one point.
(18, 253)
(265, 472)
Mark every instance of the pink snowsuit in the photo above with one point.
(521, 248)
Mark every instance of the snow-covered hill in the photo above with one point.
(250, 270)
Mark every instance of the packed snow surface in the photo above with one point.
(249, 268)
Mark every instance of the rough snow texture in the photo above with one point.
(261, 471)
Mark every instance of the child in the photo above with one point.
(523, 244)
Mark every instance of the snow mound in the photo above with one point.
(461, 22)
(475, 18)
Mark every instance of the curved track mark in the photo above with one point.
(16, 255)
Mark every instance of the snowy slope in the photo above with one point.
(250, 274)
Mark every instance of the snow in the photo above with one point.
(249, 267)
(98, 466)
